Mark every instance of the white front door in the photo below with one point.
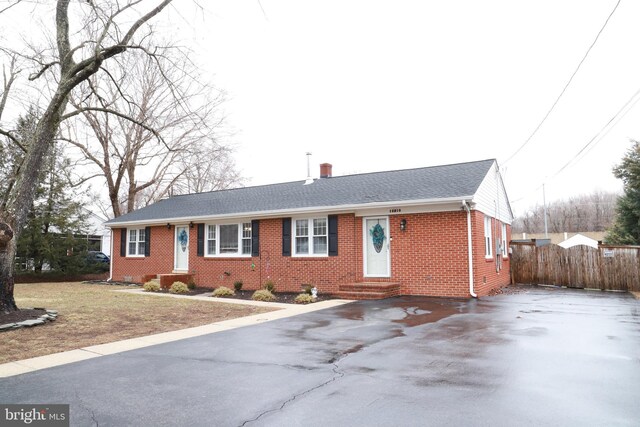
(182, 248)
(376, 247)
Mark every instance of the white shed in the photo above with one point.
(579, 239)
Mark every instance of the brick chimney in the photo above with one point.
(325, 170)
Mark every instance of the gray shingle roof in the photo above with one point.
(429, 183)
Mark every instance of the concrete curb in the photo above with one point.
(71, 356)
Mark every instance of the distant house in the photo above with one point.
(100, 236)
(437, 231)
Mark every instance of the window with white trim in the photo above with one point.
(228, 239)
(310, 237)
(505, 244)
(246, 238)
(211, 239)
(135, 241)
(228, 242)
(488, 252)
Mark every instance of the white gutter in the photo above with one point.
(290, 212)
(465, 206)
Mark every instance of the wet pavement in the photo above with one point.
(541, 357)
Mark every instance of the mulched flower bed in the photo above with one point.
(284, 297)
(21, 315)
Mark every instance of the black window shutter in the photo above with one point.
(286, 236)
(123, 242)
(255, 238)
(333, 235)
(147, 241)
(200, 239)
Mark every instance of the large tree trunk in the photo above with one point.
(25, 191)
(7, 254)
(71, 75)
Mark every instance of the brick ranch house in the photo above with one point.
(437, 231)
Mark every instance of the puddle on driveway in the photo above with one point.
(408, 311)
(419, 313)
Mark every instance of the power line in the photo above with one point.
(596, 139)
(600, 135)
(535, 131)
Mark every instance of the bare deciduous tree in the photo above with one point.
(591, 212)
(67, 66)
(157, 95)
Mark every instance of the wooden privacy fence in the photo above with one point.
(607, 268)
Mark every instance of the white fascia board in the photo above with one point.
(279, 213)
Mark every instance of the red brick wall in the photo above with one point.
(288, 273)
(486, 276)
(429, 258)
(160, 261)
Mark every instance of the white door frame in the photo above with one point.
(387, 246)
(175, 247)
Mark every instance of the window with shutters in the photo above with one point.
(135, 242)
(310, 236)
(228, 239)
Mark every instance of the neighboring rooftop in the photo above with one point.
(429, 183)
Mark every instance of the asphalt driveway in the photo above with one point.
(542, 357)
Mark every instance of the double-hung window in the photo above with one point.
(488, 252)
(135, 242)
(229, 239)
(310, 236)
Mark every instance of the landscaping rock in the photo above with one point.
(32, 322)
(26, 318)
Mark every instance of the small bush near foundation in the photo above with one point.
(237, 285)
(179, 288)
(270, 286)
(307, 288)
(151, 287)
(263, 295)
(223, 291)
(191, 285)
(303, 299)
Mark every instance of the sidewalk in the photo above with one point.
(51, 360)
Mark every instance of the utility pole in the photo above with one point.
(544, 203)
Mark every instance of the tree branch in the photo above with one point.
(13, 139)
(127, 38)
(35, 76)
(10, 6)
(124, 116)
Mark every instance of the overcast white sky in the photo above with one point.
(381, 85)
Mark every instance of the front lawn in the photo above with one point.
(95, 314)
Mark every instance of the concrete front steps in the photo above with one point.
(368, 290)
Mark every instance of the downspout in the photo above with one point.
(466, 207)
(110, 256)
